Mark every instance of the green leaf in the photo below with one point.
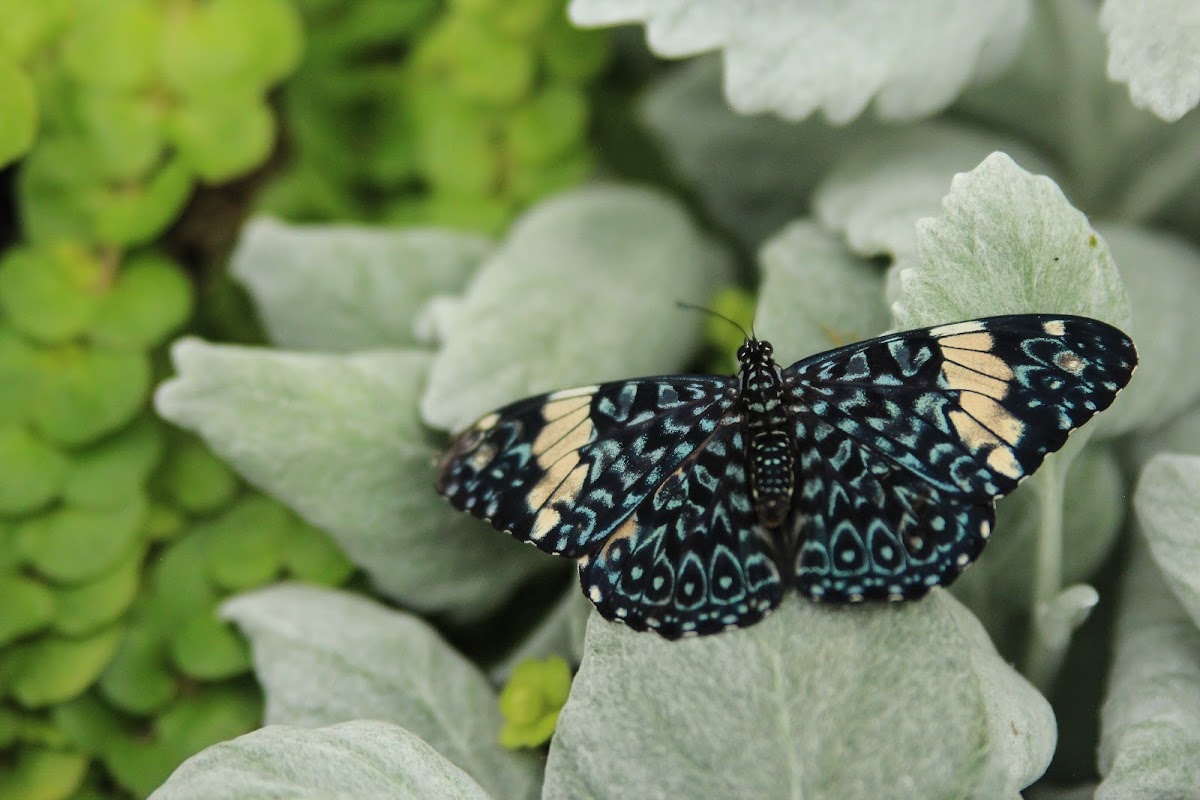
(888, 180)
(54, 668)
(115, 471)
(38, 773)
(206, 649)
(223, 45)
(815, 294)
(51, 293)
(753, 174)
(138, 679)
(84, 607)
(69, 545)
(1008, 242)
(903, 701)
(27, 608)
(1168, 509)
(582, 290)
(244, 546)
(34, 471)
(1150, 722)
(222, 137)
(531, 701)
(89, 392)
(114, 44)
(312, 557)
(197, 480)
(1162, 274)
(18, 109)
(337, 438)
(150, 298)
(794, 58)
(1152, 47)
(549, 125)
(131, 214)
(341, 762)
(390, 666)
(342, 288)
(19, 376)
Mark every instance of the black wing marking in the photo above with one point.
(563, 470)
(692, 558)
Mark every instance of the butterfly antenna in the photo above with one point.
(718, 315)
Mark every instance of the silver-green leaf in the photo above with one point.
(324, 657)
(338, 439)
(1168, 509)
(340, 288)
(1152, 47)
(362, 760)
(582, 290)
(814, 703)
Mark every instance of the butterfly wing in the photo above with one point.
(904, 442)
(563, 470)
(692, 558)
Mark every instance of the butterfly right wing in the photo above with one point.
(564, 470)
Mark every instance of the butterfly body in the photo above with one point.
(868, 472)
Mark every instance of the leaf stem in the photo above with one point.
(1042, 658)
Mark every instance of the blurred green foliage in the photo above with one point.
(119, 536)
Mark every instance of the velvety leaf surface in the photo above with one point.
(345, 287)
(753, 174)
(362, 760)
(1168, 509)
(385, 665)
(794, 58)
(1152, 47)
(583, 290)
(1150, 722)
(816, 294)
(337, 438)
(905, 701)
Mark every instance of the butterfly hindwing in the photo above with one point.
(562, 470)
(903, 442)
(692, 558)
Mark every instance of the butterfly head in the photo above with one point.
(756, 353)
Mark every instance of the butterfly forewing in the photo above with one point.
(563, 470)
(692, 558)
(906, 440)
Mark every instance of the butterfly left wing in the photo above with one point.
(692, 558)
(904, 442)
(563, 470)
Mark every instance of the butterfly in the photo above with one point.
(867, 472)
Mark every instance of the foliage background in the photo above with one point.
(426, 258)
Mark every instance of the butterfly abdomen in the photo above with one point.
(771, 475)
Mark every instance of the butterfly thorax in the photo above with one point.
(769, 449)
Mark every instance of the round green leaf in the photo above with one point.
(53, 668)
(244, 546)
(548, 125)
(207, 649)
(111, 472)
(69, 545)
(124, 132)
(34, 471)
(42, 774)
(18, 109)
(139, 680)
(150, 298)
(28, 607)
(88, 392)
(83, 607)
(310, 555)
(88, 723)
(163, 522)
(129, 214)
(180, 584)
(19, 376)
(222, 137)
(197, 480)
(224, 45)
(572, 54)
(114, 44)
(51, 293)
